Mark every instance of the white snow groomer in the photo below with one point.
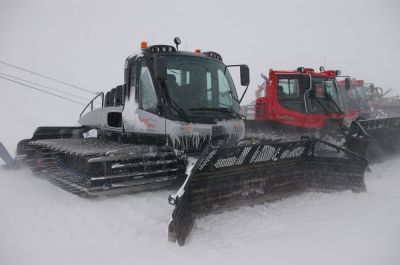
(174, 104)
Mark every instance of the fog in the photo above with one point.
(86, 42)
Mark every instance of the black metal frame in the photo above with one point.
(249, 174)
(374, 137)
(91, 103)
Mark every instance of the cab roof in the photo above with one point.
(162, 49)
(307, 71)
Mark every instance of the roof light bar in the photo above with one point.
(162, 48)
(213, 55)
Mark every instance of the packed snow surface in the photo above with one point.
(42, 224)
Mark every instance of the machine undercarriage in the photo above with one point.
(92, 167)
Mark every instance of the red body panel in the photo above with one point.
(349, 116)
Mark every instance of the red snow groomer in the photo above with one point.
(297, 103)
(301, 98)
(306, 102)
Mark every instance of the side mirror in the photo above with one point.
(347, 83)
(160, 69)
(244, 75)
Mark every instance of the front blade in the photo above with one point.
(375, 138)
(245, 175)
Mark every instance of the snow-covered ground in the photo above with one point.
(42, 224)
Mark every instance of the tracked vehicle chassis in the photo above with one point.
(91, 167)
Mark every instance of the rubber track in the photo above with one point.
(90, 167)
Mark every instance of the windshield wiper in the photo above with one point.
(176, 107)
(219, 109)
(328, 96)
(319, 103)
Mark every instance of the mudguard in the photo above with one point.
(245, 175)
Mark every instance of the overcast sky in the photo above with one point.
(86, 42)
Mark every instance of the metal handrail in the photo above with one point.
(91, 103)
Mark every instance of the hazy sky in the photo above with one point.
(86, 42)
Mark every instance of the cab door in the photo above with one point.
(142, 113)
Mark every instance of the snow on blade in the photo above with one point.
(191, 163)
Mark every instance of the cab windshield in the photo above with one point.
(324, 96)
(361, 96)
(355, 98)
(195, 84)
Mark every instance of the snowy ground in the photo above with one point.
(42, 224)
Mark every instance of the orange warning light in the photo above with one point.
(143, 45)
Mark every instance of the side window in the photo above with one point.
(288, 88)
(147, 94)
(289, 93)
(225, 97)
